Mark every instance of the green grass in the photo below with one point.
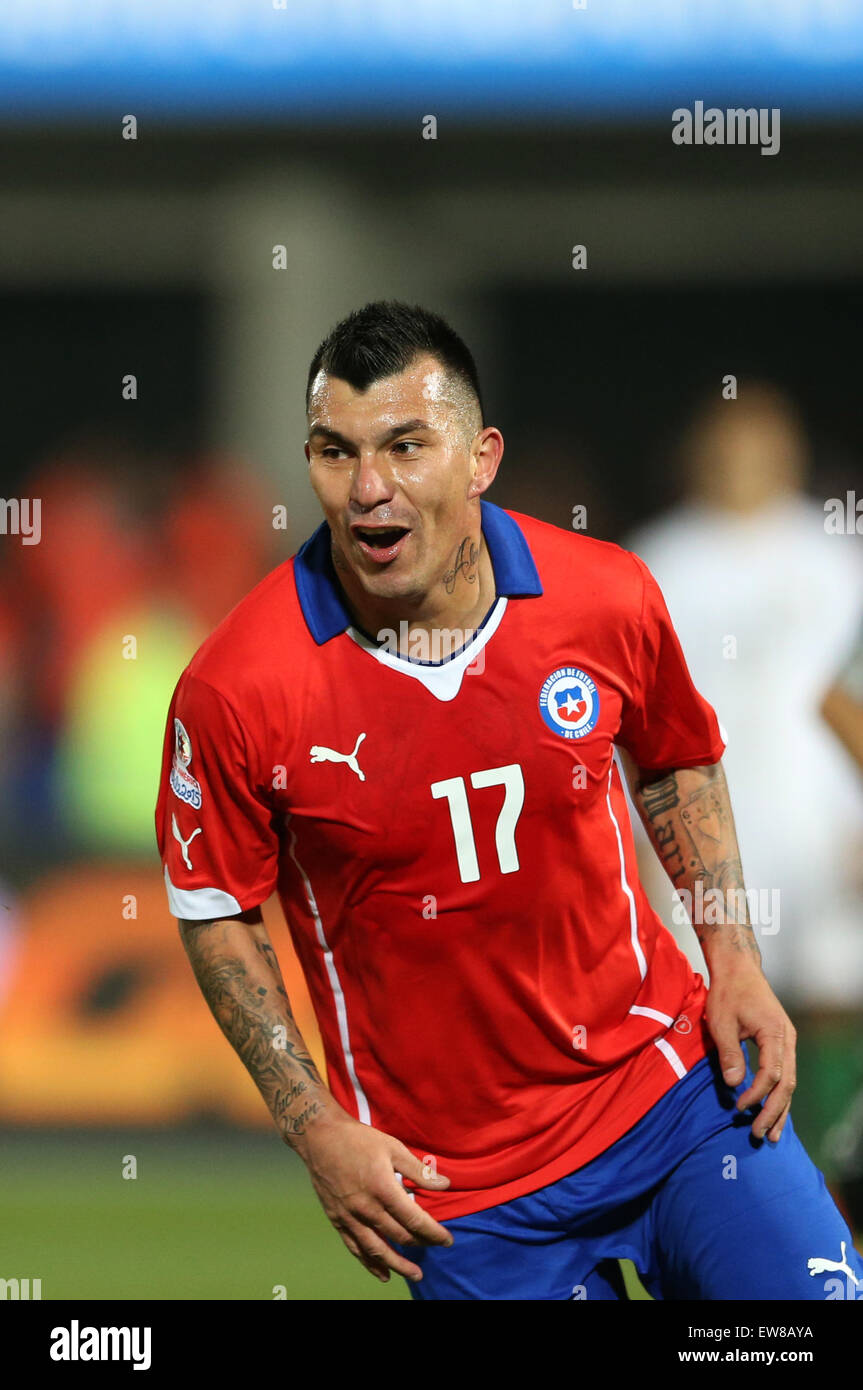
(208, 1217)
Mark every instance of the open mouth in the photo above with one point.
(380, 543)
(380, 537)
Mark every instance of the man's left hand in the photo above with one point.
(741, 1004)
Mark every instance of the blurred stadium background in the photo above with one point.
(263, 125)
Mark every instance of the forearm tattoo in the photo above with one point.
(250, 1004)
(687, 814)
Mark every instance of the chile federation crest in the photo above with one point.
(569, 702)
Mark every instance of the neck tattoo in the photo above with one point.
(465, 563)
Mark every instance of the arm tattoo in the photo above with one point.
(248, 1000)
(687, 814)
(271, 958)
(657, 802)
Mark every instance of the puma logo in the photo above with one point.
(319, 754)
(818, 1265)
(184, 844)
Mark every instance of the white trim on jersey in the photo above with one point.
(633, 915)
(363, 1111)
(670, 1056)
(665, 1048)
(200, 904)
(652, 1013)
(443, 679)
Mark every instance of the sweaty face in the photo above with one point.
(392, 468)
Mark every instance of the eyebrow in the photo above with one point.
(404, 428)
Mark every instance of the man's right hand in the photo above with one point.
(353, 1170)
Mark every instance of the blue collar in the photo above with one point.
(320, 594)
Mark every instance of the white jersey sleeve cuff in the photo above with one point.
(198, 904)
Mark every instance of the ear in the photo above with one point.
(486, 455)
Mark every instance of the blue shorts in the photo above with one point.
(704, 1211)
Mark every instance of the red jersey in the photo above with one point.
(452, 849)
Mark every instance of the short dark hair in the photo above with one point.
(383, 338)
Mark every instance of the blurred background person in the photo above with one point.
(765, 601)
(842, 709)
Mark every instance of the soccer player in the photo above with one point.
(412, 730)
